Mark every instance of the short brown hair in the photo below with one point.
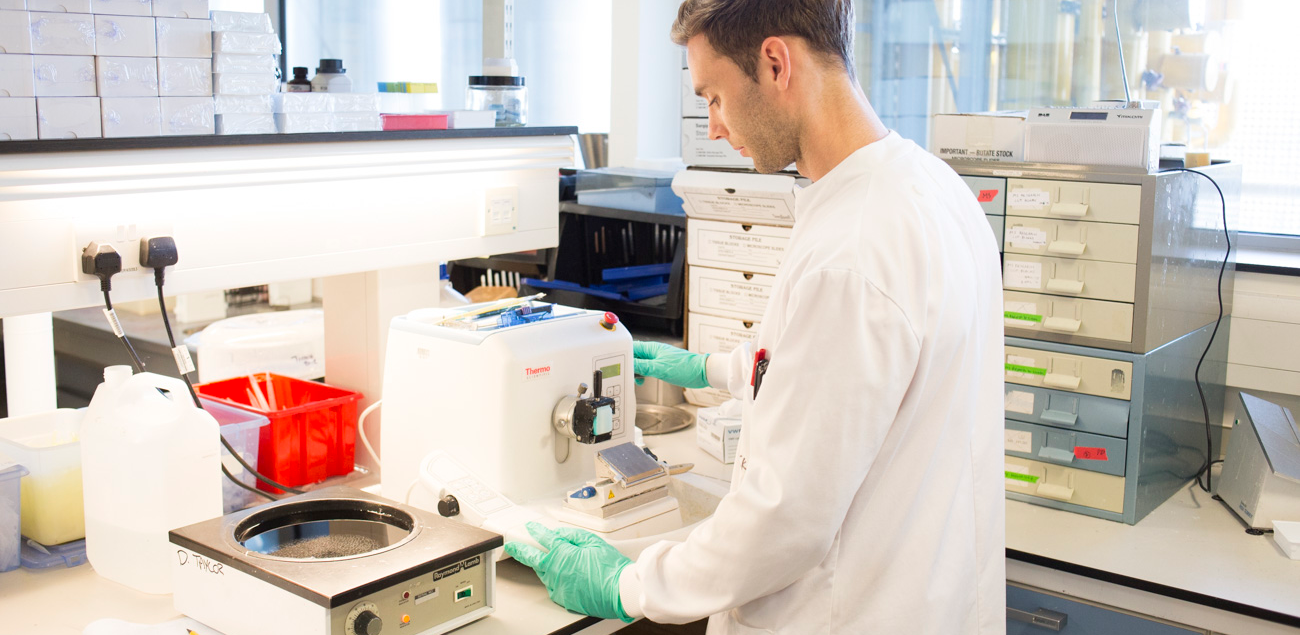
(736, 28)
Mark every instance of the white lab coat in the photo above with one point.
(867, 492)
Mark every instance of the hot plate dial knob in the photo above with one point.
(363, 620)
(367, 623)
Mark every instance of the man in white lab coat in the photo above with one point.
(867, 491)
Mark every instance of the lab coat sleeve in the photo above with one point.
(726, 371)
(836, 379)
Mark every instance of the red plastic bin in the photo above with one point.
(312, 434)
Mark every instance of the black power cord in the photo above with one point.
(102, 261)
(1208, 485)
(158, 253)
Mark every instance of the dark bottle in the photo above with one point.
(299, 83)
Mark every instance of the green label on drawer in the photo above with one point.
(1032, 370)
(1022, 477)
(1028, 317)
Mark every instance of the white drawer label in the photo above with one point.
(1022, 275)
(1027, 237)
(1029, 198)
(745, 297)
(717, 339)
(1019, 401)
(1019, 441)
(740, 207)
(737, 249)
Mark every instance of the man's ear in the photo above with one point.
(774, 62)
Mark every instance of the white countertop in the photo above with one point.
(1191, 548)
(63, 601)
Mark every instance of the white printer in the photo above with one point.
(1261, 471)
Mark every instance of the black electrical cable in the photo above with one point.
(162, 306)
(135, 359)
(1205, 409)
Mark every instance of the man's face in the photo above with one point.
(741, 110)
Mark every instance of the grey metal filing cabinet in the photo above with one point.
(1107, 433)
(1036, 612)
(1106, 257)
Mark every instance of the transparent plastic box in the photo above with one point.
(254, 123)
(46, 444)
(236, 63)
(244, 83)
(244, 105)
(241, 22)
(313, 429)
(243, 430)
(10, 515)
(630, 189)
(67, 555)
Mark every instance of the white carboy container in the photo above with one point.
(151, 462)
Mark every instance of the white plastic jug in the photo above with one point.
(151, 462)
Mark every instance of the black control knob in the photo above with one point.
(367, 623)
(449, 506)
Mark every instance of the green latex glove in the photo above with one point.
(580, 570)
(669, 363)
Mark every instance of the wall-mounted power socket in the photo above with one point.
(500, 211)
(124, 236)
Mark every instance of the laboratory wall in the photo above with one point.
(646, 83)
(561, 48)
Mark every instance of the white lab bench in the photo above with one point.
(64, 601)
(1190, 561)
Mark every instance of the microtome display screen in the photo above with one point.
(611, 371)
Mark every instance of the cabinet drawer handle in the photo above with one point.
(1061, 285)
(1075, 210)
(1062, 324)
(1058, 492)
(1059, 417)
(1058, 380)
(1050, 620)
(1056, 455)
(1066, 248)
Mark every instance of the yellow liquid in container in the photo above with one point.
(46, 444)
(52, 507)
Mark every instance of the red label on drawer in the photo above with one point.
(1090, 454)
(987, 196)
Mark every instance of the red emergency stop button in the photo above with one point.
(609, 321)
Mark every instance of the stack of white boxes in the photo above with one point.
(104, 68)
(244, 72)
(304, 112)
(737, 230)
(184, 67)
(327, 112)
(356, 112)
